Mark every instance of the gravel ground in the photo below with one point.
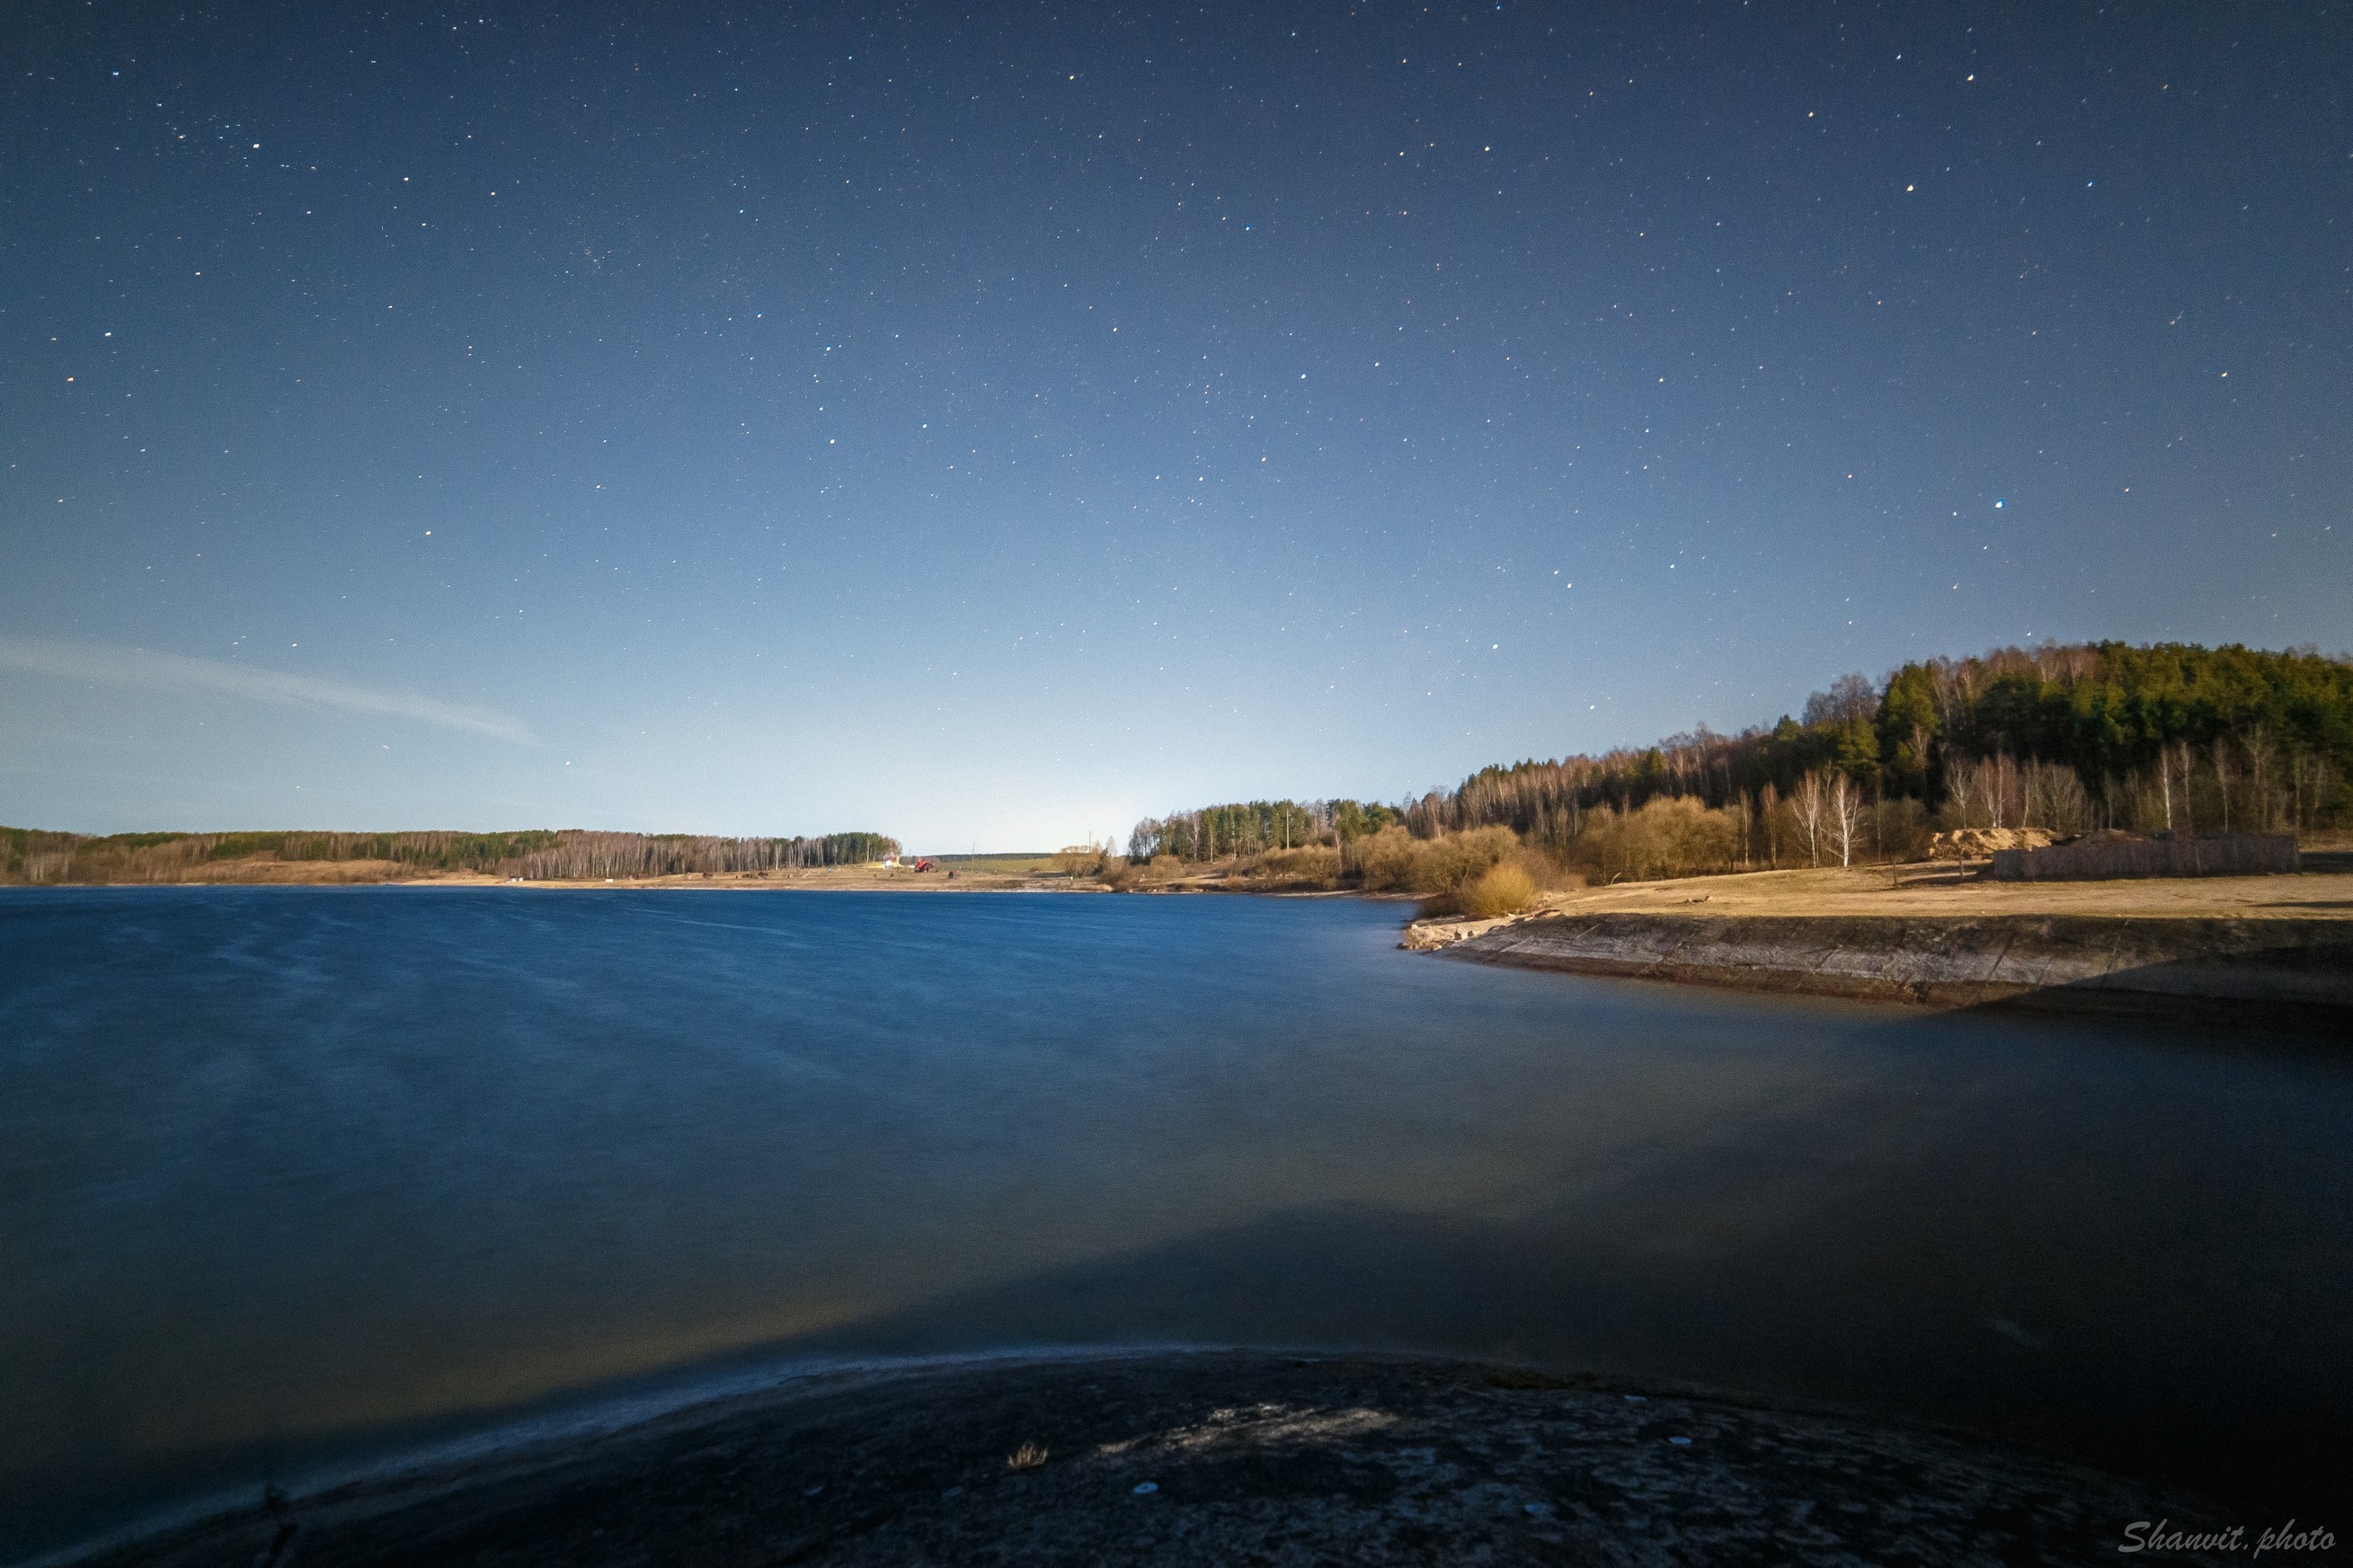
(1215, 1459)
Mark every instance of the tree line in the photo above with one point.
(2166, 738)
(28, 855)
(1252, 828)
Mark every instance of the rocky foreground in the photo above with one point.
(1214, 1459)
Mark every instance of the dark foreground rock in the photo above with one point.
(1215, 1459)
(2296, 971)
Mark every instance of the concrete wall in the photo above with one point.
(2304, 966)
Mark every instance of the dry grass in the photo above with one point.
(998, 865)
(1503, 891)
(1027, 1456)
(1946, 890)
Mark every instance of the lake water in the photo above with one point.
(291, 1176)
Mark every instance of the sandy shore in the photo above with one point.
(1213, 1457)
(2271, 949)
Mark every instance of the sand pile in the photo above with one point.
(1979, 843)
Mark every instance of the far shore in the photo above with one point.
(1941, 889)
(1007, 876)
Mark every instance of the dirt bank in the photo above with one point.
(2300, 968)
(1214, 1459)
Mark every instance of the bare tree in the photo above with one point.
(1811, 802)
(2182, 757)
(1955, 683)
(1961, 786)
(1997, 786)
(2007, 789)
(2256, 743)
(1850, 698)
(2309, 776)
(2066, 666)
(2222, 777)
(1846, 816)
(2055, 797)
(2034, 799)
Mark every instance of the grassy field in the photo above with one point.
(1009, 863)
(1946, 890)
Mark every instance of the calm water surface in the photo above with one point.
(291, 1175)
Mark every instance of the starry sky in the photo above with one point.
(989, 424)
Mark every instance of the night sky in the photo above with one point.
(990, 423)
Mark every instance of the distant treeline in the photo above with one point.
(31, 856)
(2170, 738)
(1251, 828)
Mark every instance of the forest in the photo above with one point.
(2170, 738)
(28, 855)
(2164, 739)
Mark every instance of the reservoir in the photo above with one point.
(295, 1178)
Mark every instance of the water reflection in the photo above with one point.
(285, 1166)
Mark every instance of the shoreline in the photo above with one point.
(2252, 948)
(2287, 970)
(803, 882)
(1203, 1455)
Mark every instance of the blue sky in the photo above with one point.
(989, 427)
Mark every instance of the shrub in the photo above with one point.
(1504, 889)
(1393, 860)
(1667, 837)
(1316, 865)
(1078, 861)
(1384, 858)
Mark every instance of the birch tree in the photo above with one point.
(1811, 802)
(1961, 787)
(2256, 743)
(1846, 816)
